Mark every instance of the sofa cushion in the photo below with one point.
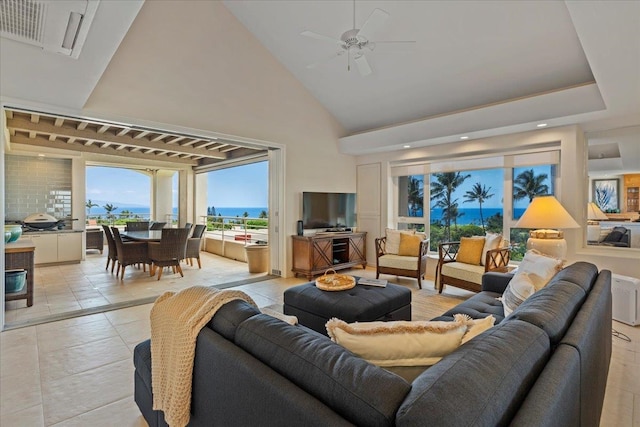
(583, 274)
(409, 245)
(477, 307)
(399, 343)
(470, 251)
(519, 289)
(552, 308)
(398, 261)
(462, 271)
(347, 383)
(481, 383)
(229, 316)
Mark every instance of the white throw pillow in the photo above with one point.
(392, 245)
(399, 343)
(520, 288)
(541, 268)
(491, 241)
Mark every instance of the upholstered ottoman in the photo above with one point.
(314, 307)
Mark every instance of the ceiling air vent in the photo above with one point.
(53, 25)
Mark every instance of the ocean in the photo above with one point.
(144, 211)
(472, 215)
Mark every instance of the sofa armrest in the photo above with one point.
(495, 282)
(381, 243)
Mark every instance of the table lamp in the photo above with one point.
(594, 215)
(546, 215)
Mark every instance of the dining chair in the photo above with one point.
(130, 253)
(157, 225)
(194, 244)
(112, 255)
(169, 250)
(137, 226)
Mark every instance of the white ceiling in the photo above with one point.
(478, 68)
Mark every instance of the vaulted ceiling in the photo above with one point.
(477, 69)
(69, 133)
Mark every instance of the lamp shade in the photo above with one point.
(546, 212)
(594, 212)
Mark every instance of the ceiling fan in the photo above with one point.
(356, 42)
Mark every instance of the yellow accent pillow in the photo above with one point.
(409, 245)
(393, 239)
(470, 250)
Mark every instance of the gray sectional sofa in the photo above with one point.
(545, 365)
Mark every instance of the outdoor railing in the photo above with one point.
(246, 230)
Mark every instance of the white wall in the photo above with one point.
(232, 85)
(573, 191)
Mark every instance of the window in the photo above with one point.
(528, 182)
(465, 203)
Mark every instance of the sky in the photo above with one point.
(241, 186)
(493, 179)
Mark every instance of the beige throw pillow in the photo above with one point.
(392, 245)
(477, 326)
(491, 241)
(399, 343)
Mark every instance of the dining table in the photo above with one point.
(143, 236)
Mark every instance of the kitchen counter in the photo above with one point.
(27, 232)
(55, 246)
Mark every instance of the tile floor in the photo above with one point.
(63, 289)
(79, 371)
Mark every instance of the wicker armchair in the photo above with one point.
(468, 276)
(157, 225)
(169, 251)
(194, 244)
(130, 253)
(400, 265)
(112, 255)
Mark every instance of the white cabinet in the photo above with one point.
(56, 247)
(69, 247)
(46, 247)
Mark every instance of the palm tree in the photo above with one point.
(415, 196)
(479, 193)
(263, 214)
(528, 184)
(441, 190)
(109, 208)
(90, 205)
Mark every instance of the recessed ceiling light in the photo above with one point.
(541, 125)
(464, 137)
(406, 146)
(40, 155)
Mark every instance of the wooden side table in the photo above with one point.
(20, 254)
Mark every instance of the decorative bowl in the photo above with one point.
(7, 236)
(16, 232)
(14, 280)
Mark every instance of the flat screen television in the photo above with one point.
(328, 210)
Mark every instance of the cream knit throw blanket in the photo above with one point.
(176, 320)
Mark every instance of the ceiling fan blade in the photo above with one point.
(373, 23)
(322, 61)
(393, 46)
(322, 37)
(363, 65)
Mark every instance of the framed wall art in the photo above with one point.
(606, 194)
